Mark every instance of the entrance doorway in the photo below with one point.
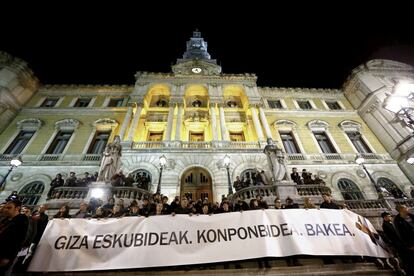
(196, 184)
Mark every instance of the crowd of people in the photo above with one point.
(305, 177)
(257, 178)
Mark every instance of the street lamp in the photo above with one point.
(401, 102)
(360, 161)
(163, 161)
(410, 160)
(14, 163)
(226, 162)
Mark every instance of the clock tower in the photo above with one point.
(196, 59)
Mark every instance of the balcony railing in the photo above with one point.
(253, 191)
(69, 193)
(129, 192)
(196, 145)
(6, 157)
(49, 157)
(92, 157)
(376, 204)
(295, 156)
(408, 202)
(312, 190)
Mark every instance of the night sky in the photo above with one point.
(284, 47)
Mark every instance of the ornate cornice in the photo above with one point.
(105, 123)
(67, 124)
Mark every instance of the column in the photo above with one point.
(170, 122)
(134, 124)
(224, 132)
(213, 121)
(125, 123)
(179, 122)
(265, 123)
(257, 125)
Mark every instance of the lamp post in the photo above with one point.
(360, 161)
(14, 163)
(401, 102)
(226, 162)
(410, 160)
(163, 161)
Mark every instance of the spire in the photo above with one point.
(196, 47)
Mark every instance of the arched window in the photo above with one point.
(247, 175)
(349, 189)
(31, 193)
(390, 187)
(142, 179)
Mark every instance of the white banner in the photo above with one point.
(136, 242)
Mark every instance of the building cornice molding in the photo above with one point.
(279, 92)
(72, 89)
(78, 111)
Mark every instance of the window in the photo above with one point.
(142, 178)
(49, 102)
(390, 187)
(304, 105)
(31, 193)
(99, 142)
(155, 136)
(20, 142)
(275, 104)
(358, 142)
(82, 102)
(289, 142)
(237, 136)
(333, 105)
(59, 143)
(349, 189)
(324, 142)
(115, 102)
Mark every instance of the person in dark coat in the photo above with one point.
(56, 182)
(327, 202)
(295, 176)
(404, 224)
(13, 231)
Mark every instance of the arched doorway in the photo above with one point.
(31, 193)
(196, 183)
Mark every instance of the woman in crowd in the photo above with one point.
(63, 212)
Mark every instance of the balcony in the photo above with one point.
(55, 159)
(211, 145)
(312, 190)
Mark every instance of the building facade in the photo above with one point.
(195, 116)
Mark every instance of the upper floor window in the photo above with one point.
(59, 143)
(236, 136)
(49, 102)
(304, 105)
(82, 102)
(99, 142)
(155, 136)
(20, 142)
(333, 105)
(116, 102)
(324, 143)
(391, 187)
(289, 142)
(358, 142)
(275, 104)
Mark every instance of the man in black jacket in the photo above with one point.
(404, 224)
(13, 231)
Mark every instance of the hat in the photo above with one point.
(384, 214)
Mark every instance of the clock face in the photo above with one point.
(196, 70)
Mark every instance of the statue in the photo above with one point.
(111, 160)
(276, 160)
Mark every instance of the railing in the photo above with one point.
(295, 156)
(196, 145)
(408, 202)
(332, 156)
(365, 204)
(253, 191)
(49, 157)
(92, 157)
(129, 192)
(7, 157)
(312, 190)
(69, 193)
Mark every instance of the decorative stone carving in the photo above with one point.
(67, 124)
(348, 125)
(317, 125)
(276, 160)
(30, 123)
(111, 160)
(284, 123)
(105, 123)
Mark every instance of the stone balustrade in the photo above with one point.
(253, 191)
(376, 204)
(312, 190)
(69, 193)
(196, 145)
(129, 192)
